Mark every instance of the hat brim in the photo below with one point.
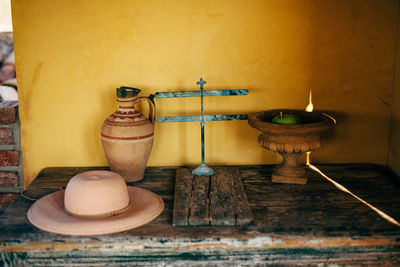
(48, 214)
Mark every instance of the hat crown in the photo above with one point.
(96, 194)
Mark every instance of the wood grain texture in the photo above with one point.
(210, 200)
(220, 197)
(199, 202)
(183, 192)
(241, 208)
(312, 225)
(288, 180)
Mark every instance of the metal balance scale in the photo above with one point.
(203, 169)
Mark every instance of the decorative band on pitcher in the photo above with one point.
(122, 107)
(127, 113)
(123, 116)
(125, 123)
(127, 138)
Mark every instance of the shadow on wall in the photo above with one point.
(349, 62)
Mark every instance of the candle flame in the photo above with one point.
(310, 106)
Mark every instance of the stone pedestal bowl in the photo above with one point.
(290, 141)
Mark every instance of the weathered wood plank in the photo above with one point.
(230, 208)
(344, 256)
(183, 192)
(221, 210)
(199, 203)
(241, 208)
(356, 177)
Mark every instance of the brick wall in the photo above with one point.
(11, 178)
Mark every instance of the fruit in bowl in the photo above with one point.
(286, 119)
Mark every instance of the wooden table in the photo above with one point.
(294, 224)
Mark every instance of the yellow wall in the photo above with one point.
(72, 54)
(394, 145)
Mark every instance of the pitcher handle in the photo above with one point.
(152, 107)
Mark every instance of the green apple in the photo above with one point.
(286, 119)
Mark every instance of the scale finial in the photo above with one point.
(201, 83)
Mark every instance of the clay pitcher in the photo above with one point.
(127, 135)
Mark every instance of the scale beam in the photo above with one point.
(205, 93)
(235, 117)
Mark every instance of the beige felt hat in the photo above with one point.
(95, 203)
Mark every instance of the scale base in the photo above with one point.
(203, 170)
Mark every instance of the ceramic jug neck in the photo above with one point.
(125, 104)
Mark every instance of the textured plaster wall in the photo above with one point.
(71, 55)
(394, 148)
